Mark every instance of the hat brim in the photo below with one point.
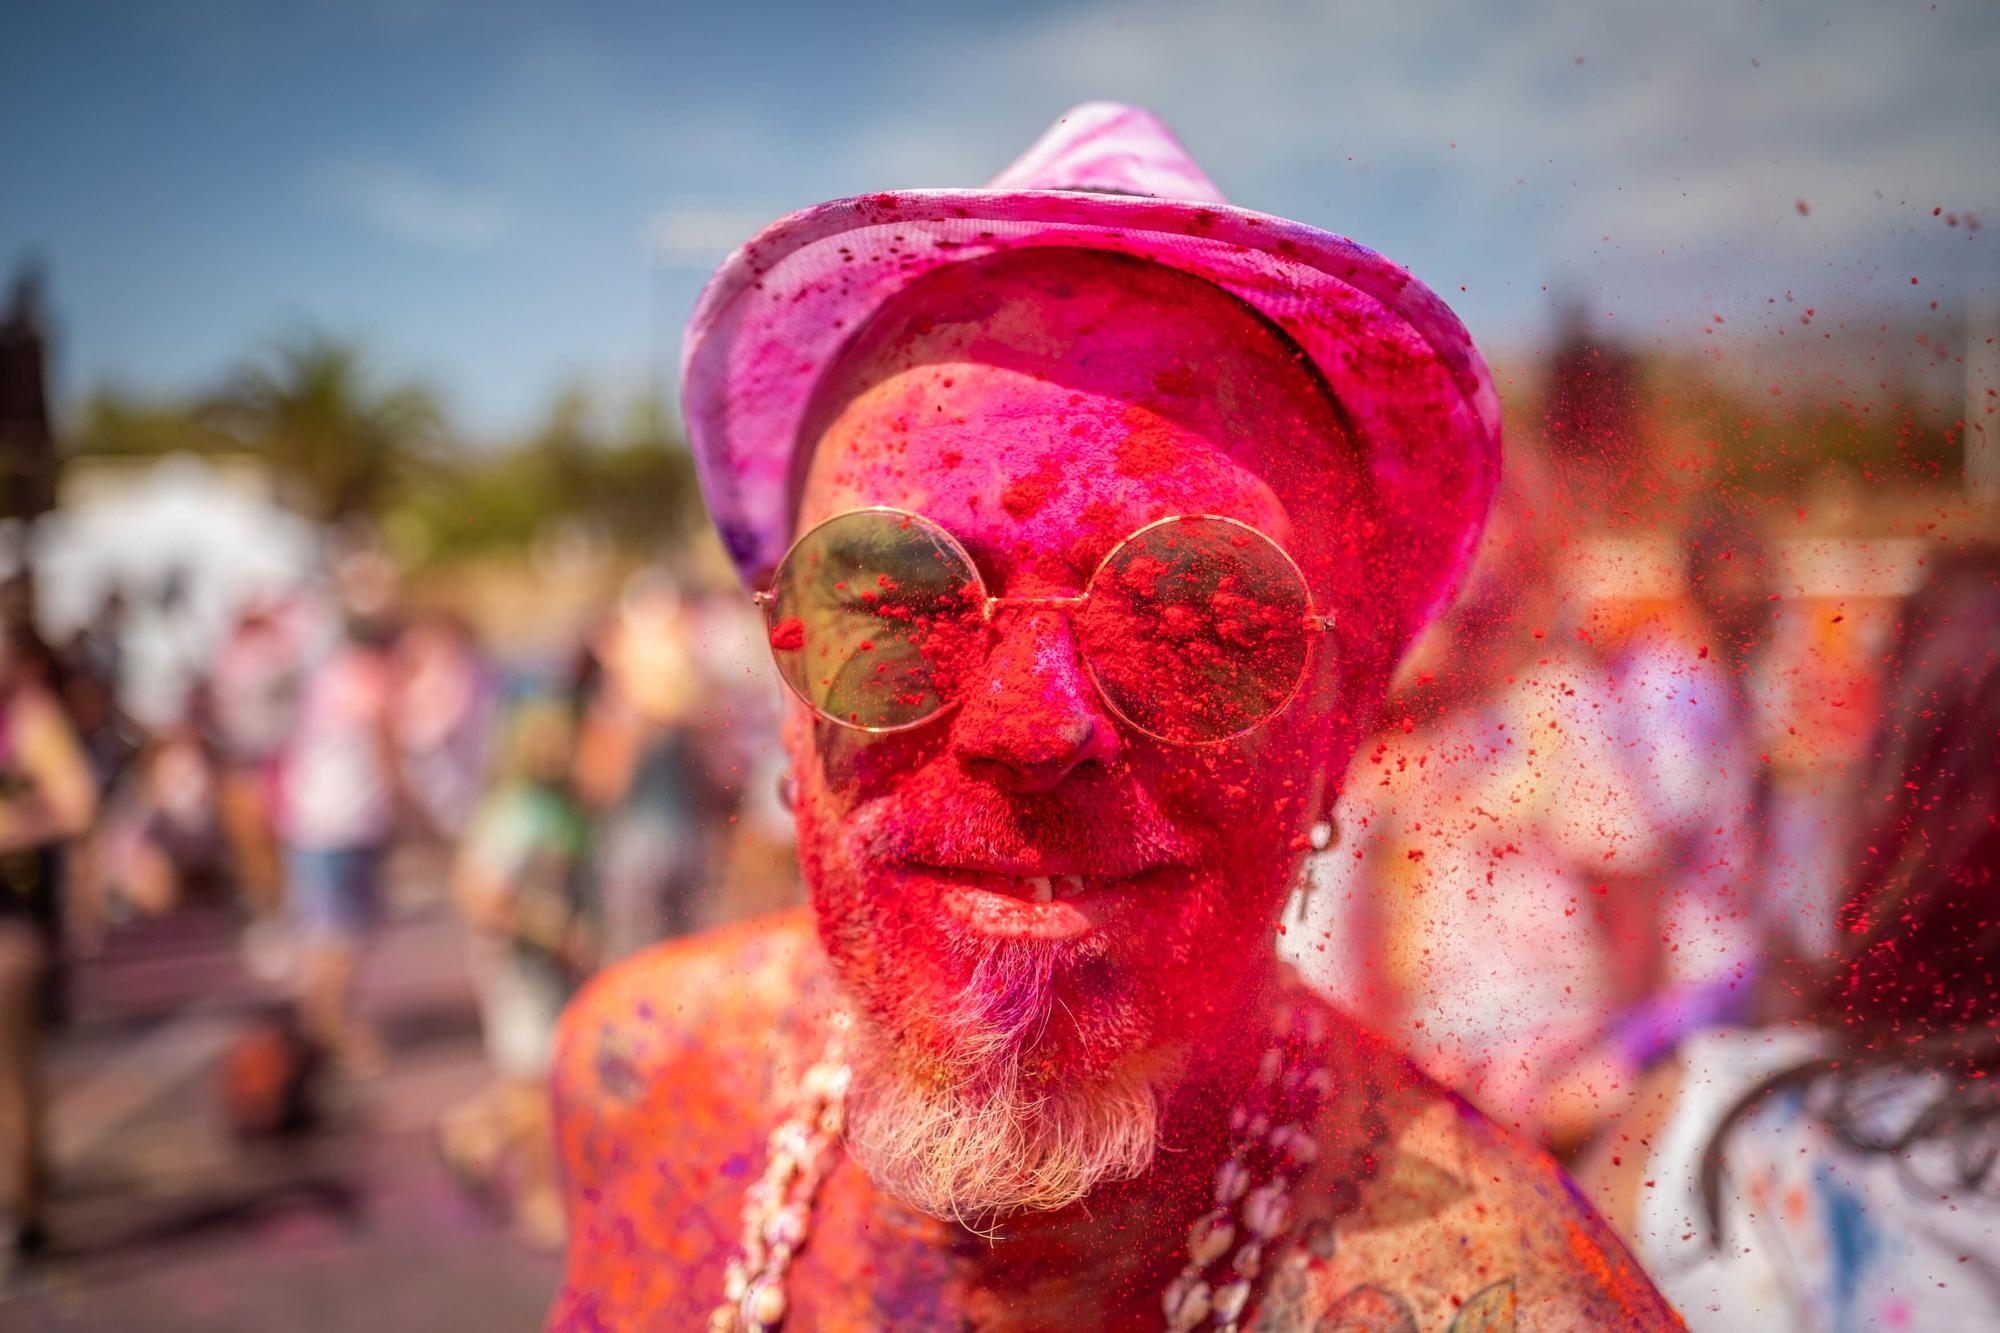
(1415, 390)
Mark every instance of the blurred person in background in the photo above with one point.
(1588, 795)
(93, 674)
(639, 766)
(1816, 696)
(1495, 806)
(47, 798)
(33, 662)
(521, 880)
(342, 801)
(20, 613)
(161, 835)
(754, 856)
(1834, 1169)
(1683, 685)
(254, 692)
(445, 704)
(92, 669)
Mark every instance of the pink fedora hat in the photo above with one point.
(1415, 390)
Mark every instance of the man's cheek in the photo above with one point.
(858, 765)
(1218, 793)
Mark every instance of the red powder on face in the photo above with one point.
(951, 639)
(1150, 447)
(1025, 495)
(788, 635)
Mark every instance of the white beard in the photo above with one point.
(970, 1140)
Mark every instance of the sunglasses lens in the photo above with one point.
(873, 617)
(1196, 629)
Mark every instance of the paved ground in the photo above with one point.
(165, 1222)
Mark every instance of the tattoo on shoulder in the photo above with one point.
(1371, 1309)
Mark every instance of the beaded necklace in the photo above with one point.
(1252, 1199)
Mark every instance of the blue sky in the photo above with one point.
(503, 198)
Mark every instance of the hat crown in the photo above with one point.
(1110, 148)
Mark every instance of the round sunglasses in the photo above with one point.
(1196, 629)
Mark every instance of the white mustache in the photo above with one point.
(997, 829)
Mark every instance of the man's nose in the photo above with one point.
(1032, 716)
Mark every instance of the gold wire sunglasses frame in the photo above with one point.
(1150, 538)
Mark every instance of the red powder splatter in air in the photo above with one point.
(789, 635)
(1804, 208)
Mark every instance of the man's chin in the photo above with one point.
(996, 1076)
(975, 1140)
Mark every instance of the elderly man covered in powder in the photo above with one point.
(1089, 515)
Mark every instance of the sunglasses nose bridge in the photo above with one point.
(1033, 714)
(1066, 606)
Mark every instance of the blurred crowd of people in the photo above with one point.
(345, 754)
(1697, 890)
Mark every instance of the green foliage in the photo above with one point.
(630, 483)
(113, 424)
(337, 444)
(340, 444)
(1778, 445)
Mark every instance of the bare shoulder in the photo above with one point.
(662, 1091)
(1458, 1225)
(709, 1006)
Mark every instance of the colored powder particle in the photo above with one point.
(788, 635)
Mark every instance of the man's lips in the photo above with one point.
(1027, 885)
(1039, 904)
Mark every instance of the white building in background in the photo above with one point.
(188, 541)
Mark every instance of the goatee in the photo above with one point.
(966, 1132)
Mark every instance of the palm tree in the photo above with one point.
(344, 446)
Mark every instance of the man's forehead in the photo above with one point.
(1013, 463)
(1054, 401)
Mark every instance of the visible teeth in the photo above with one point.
(1041, 889)
(1068, 886)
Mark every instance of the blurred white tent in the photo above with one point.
(188, 542)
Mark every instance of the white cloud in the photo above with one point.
(694, 236)
(1477, 146)
(413, 207)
